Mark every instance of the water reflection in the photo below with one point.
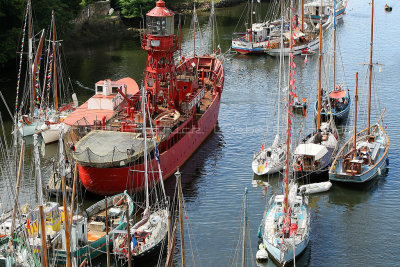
(194, 170)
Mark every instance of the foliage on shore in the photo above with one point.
(12, 14)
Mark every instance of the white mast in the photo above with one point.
(145, 148)
(276, 141)
(38, 176)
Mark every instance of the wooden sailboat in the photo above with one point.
(314, 154)
(27, 118)
(86, 231)
(27, 124)
(285, 227)
(150, 232)
(57, 111)
(338, 102)
(272, 159)
(365, 155)
(39, 112)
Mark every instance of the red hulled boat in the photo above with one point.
(183, 103)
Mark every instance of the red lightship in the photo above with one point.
(183, 104)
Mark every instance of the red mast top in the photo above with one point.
(160, 43)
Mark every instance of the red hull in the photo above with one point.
(109, 181)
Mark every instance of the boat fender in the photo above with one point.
(379, 171)
(259, 233)
(387, 161)
(118, 200)
(262, 254)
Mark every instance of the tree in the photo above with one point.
(12, 14)
(135, 8)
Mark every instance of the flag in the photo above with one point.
(28, 225)
(133, 242)
(157, 155)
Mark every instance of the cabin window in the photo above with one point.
(114, 90)
(83, 228)
(99, 89)
(162, 26)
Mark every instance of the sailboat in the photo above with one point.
(256, 38)
(313, 10)
(85, 233)
(337, 103)
(315, 153)
(365, 155)
(304, 37)
(42, 114)
(28, 123)
(272, 159)
(150, 232)
(15, 249)
(55, 114)
(285, 227)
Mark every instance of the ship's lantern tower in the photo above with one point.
(160, 43)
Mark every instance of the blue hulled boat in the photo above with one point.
(337, 105)
(364, 162)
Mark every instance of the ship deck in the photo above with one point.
(109, 148)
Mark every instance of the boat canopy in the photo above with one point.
(315, 150)
(337, 94)
(107, 149)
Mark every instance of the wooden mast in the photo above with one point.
(180, 39)
(355, 114)
(178, 179)
(286, 179)
(244, 229)
(370, 69)
(30, 58)
(64, 193)
(251, 22)
(319, 71)
(213, 25)
(54, 61)
(19, 174)
(194, 30)
(38, 176)
(36, 64)
(302, 15)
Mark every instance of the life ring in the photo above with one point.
(118, 200)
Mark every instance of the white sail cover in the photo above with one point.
(315, 150)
